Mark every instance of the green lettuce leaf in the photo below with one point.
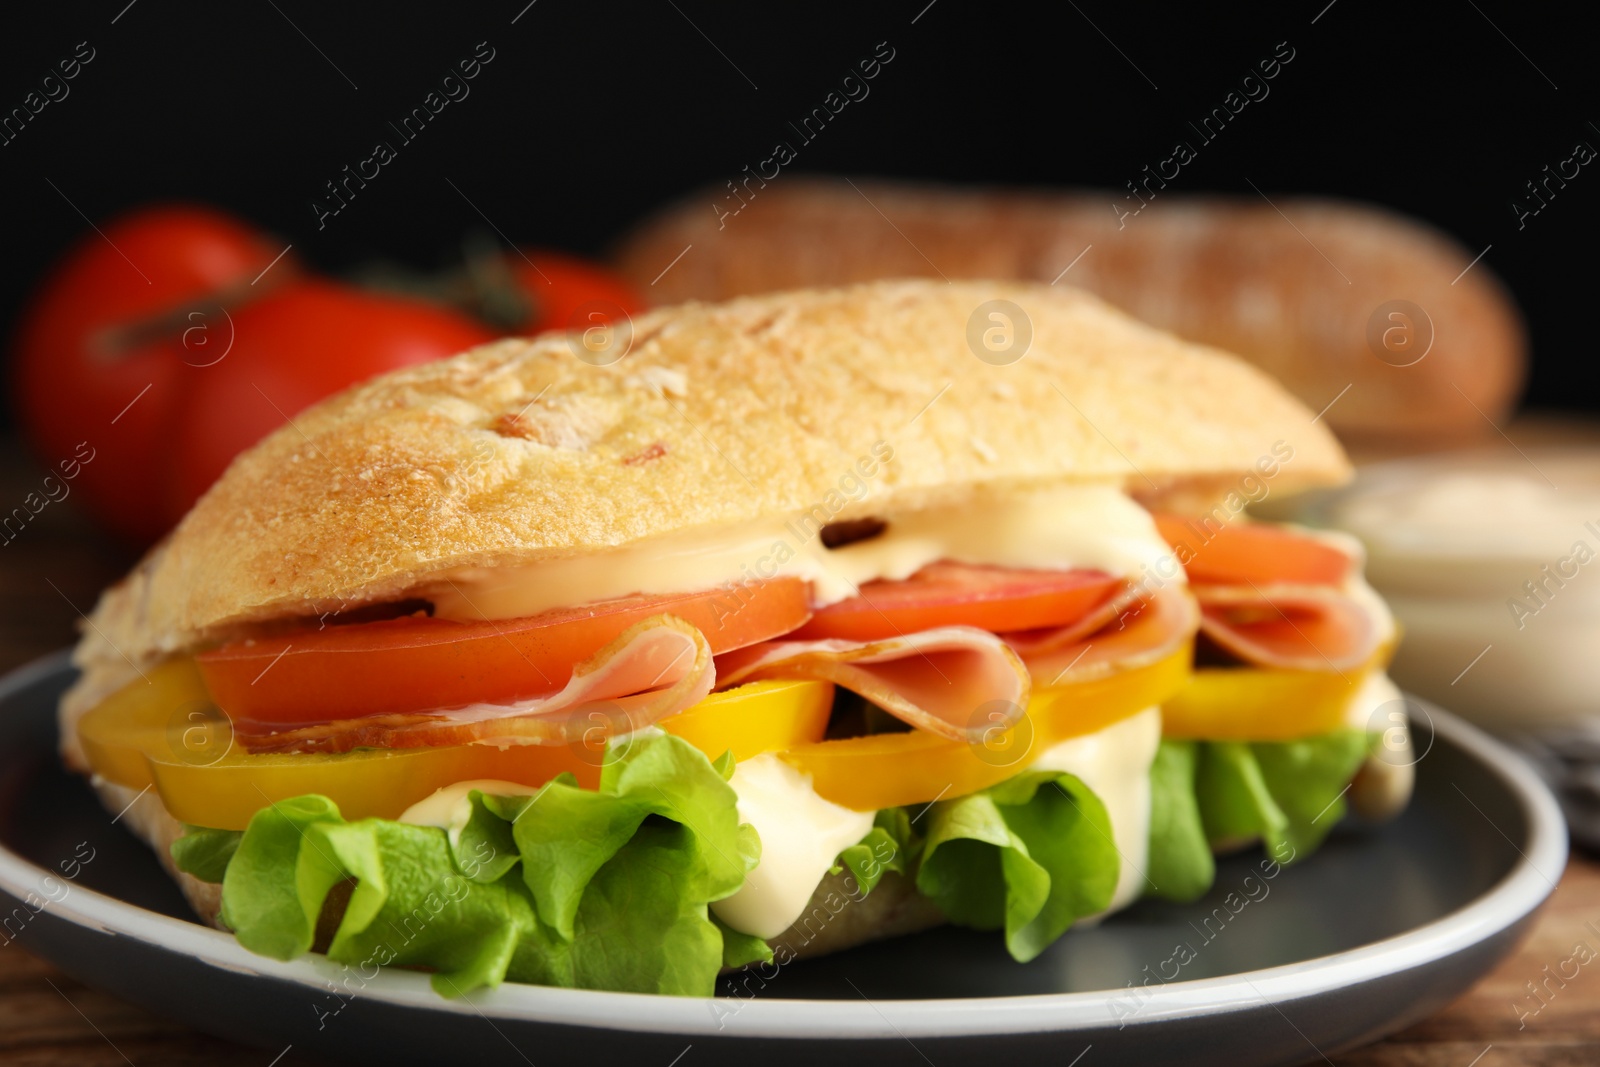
(642, 925)
(891, 845)
(412, 907)
(1180, 865)
(269, 898)
(1031, 855)
(739, 948)
(564, 833)
(205, 853)
(1289, 793)
(486, 848)
(602, 889)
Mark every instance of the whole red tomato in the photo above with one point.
(99, 356)
(564, 290)
(166, 345)
(308, 339)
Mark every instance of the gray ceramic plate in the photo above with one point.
(1377, 931)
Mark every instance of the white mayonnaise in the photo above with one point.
(801, 836)
(1056, 528)
(1115, 763)
(1491, 561)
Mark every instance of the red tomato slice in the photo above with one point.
(420, 664)
(1244, 552)
(1000, 599)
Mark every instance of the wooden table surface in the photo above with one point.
(47, 1018)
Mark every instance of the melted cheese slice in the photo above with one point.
(1057, 528)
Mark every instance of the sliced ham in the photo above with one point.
(1276, 596)
(1296, 627)
(1138, 632)
(942, 680)
(655, 668)
(1034, 643)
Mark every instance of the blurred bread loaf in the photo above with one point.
(1309, 290)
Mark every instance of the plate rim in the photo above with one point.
(1515, 896)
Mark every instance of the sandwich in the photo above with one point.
(776, 627)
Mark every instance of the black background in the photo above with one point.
(592, 115)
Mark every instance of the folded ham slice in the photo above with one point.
(1277, 596)
(941, 680)
(1134, 632)
(1050, 639)
(1296, 627)
(655, 668)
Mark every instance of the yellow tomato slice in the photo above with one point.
(1258, 704)
(891, 770)
(165, 733)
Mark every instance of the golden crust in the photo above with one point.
(718, 414)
